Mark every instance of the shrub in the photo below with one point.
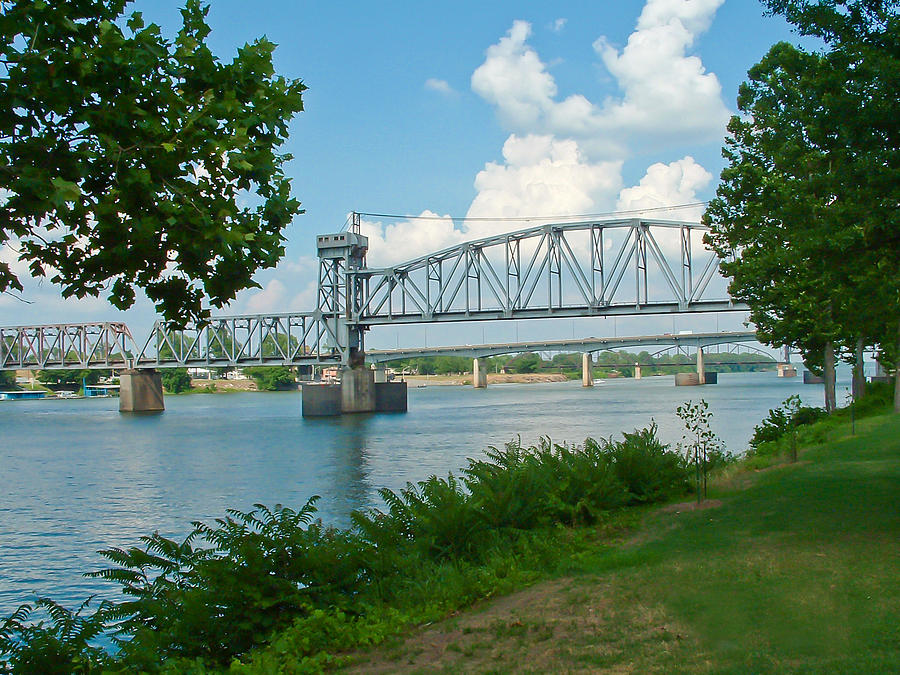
(59, 644)
(509, 488)
(436, 516)
(585, 483)
(646, 467)
(264, 569)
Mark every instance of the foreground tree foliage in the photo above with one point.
(131, 162)
(809, 198)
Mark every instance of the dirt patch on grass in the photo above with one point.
(692, 506)
(565, 625)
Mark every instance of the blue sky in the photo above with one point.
(488, 109)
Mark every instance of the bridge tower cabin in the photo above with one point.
(340, 292)
(340, 296)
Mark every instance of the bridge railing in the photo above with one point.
(589, 268)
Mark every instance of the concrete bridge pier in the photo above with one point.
(479, 374)
(786, 370)
(587, 373)
(359, 391)
(700, 377)
(140, 390)
(701, 374)
(637, 371)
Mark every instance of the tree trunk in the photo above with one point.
(830, 402)
(897, 375)
(859, 375)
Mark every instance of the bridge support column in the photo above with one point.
(637, 371)
(701, 374)
(141, 391)
(479, 374)
(357, 390)
(380, 373)
(587, 372)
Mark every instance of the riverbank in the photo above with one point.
(795, 568)
(492, 378)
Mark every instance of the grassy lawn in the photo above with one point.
(797, 570)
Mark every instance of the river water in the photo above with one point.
(78, 476)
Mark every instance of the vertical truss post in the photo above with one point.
(597, 264)
(342, 291)
(640, 266)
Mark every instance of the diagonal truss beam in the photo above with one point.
(582, 264)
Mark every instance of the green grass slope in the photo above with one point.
(797, 571)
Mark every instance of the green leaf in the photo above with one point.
(66, 191)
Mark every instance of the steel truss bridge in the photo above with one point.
(580, 269)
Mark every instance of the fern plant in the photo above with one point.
(259, 571)
(62, 643)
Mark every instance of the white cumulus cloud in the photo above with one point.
(543, 176)
(665, 91)
(668, 185)
(406, 239)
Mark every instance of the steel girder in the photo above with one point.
(66, 346)
(277, 339)
(538, 272)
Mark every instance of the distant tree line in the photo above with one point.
(570, 363)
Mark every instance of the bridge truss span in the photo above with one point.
(276, 339)
(66, 346)
(588, 268)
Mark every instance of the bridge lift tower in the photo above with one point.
(341, 294)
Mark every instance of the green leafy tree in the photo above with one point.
(176, 380)
(7, 379)
(69, 376)
(808, 199)
(703, 448)
(132, 162)
(271, 378)
(524, 363)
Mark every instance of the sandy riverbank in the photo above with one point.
(493, 378)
